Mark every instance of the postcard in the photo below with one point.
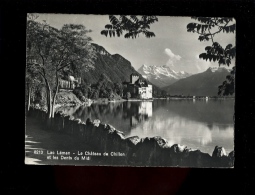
(130, 90)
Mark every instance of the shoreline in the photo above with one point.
(106, 101)
(149, 151)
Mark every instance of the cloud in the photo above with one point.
(171, 54)
(198, 67)
(172, 57)
(202, 65)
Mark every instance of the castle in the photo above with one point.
(138, 88)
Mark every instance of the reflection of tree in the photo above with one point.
(79, 112)
(98, 111)
(82, 113)
(69, 110)
(122, 115)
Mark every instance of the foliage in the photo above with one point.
(207, 28)
(78, 93)
(103, 88)
(52, 52)
(104, 82)
(131, 25)
(85, 89)
(94, 94)
(128, 95)
(33, 81)
(227, 87)
(118, 88)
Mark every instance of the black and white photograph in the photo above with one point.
(130, 90)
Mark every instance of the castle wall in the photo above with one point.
(149, 91)
(145, 92)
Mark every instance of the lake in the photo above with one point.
(198, 124)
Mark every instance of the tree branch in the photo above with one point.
(221, 27)
(39, 50)
(211, 35)
(67, 64)
(64, 66)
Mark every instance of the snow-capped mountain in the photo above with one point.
(161, 76)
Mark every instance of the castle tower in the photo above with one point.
(133, 78)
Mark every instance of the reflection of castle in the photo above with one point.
(138, 88)
(145, 108)
(144, 111)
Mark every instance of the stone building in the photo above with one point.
(138, 88)
(69, 84)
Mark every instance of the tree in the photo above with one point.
(118, 88)
(50, 52)
(78, 93)
(33, 82)
(208, 28)
(128, 95)
(85, 89)
(131, 25)
(94, 93)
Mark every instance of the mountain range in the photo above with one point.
(201, 84)
(114, 66)
(161, 76)
(119, 69)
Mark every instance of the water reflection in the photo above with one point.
(143, 113)
(200, 124)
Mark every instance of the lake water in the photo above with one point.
(198, 124)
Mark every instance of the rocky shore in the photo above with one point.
(135, 151)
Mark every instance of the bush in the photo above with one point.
(78, 93)
(83, 99)
(128, 95)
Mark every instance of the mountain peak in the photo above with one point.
(201, 84)
(161, 75)
(217, 69)
(100, 49)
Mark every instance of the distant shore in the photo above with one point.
(107, 100)
(197, 98)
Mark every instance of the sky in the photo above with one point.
(172, 46)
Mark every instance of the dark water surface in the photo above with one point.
(197, 124)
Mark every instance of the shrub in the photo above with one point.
(78, 93)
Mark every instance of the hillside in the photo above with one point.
(115, 66)
(202, 84)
